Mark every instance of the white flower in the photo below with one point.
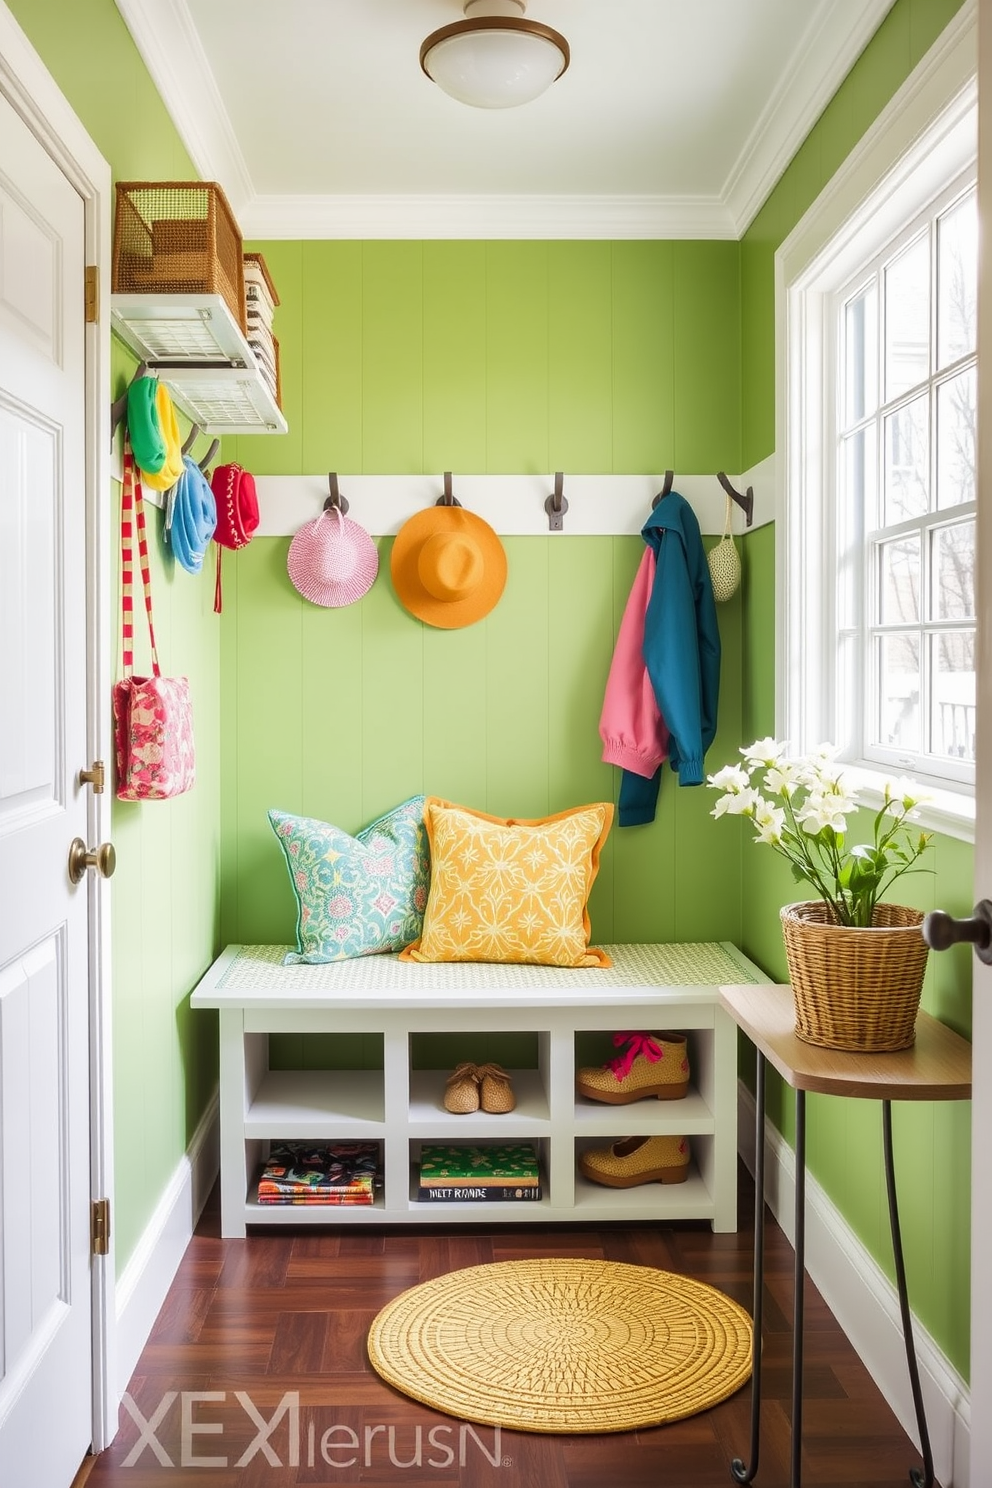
(819, 812)
(836, 797)
(769, 820)
(741, 804)
(902, 795)
(783, 779)
(829, 772)
(764, 752)
(730, 778)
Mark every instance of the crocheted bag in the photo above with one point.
(725, 563)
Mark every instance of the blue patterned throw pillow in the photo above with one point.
(360, 895)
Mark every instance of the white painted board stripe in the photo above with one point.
(598, 505)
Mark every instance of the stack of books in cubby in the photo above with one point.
(459, 1173)
(335, 1173)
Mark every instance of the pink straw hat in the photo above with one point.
(332, 560)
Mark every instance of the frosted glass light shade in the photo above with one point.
(494, 61)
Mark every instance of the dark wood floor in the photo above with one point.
(289, 1313)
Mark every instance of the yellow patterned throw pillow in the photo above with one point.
(511, 890)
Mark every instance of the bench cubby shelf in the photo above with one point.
(662, 988)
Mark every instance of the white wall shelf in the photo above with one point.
(400, 1107)
(196, 346)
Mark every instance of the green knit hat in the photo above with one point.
(144, 425)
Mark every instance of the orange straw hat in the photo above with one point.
(448, 566)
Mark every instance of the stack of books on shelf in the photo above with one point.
(260, 308)
(328, 1173)
(460, 1174)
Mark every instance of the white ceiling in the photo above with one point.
(675, 118)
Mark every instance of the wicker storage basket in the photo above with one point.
(178, 237)
(855, 988)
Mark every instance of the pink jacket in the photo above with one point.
(631, 726)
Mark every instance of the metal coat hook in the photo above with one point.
(557, 505)
(449, 498)
(335, 501)
(210, 456)
(118, 409)
(194, 433)
(665, 489)
(746, 502)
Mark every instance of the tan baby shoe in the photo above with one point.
(461, 1092)
(495, 1092)
(637, 1160)
(649, 1065)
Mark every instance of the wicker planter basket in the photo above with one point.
(855, 988)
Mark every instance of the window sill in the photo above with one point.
(947, 811)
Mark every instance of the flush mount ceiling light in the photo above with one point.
(495, 58)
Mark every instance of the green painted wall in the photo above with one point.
(482, 357)
(932, 1141)
(402, 357)
(165, 892)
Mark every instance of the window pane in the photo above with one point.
(899, 581)
(907, 463)
(957, 401)
(899, 692)
(953, 572)
(957, 278)
(952, 710)
(861, 356)
(907, 319)
(858, 511)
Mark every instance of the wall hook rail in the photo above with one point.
(449, 498)
(665, 489)
(335, 501)
(557, 505)
(745, 502)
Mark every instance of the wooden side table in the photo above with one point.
(937, 1067)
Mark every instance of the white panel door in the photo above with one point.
(45, 1312)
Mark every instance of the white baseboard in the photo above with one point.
(865, 1304)
(146, 1278)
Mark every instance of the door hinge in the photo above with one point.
(92, 293)
(94, 776)
(100, 1227)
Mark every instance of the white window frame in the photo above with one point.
(925, 139)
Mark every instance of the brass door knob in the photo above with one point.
(102, 858)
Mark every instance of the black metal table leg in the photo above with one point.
(919, 1479)
(799, 1292)
(738, 1470)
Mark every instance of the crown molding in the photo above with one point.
(486, 216)
(167, 39)
(170, 47)
(834, 41)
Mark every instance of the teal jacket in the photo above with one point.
(681, 653)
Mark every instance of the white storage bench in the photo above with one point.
(655, 987)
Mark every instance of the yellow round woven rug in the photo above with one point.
(563, 1345)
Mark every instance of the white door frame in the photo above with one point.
(30, 88)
